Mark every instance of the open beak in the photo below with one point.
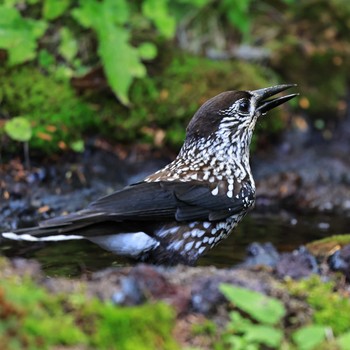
(264, 105)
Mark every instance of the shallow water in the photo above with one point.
(286, 232)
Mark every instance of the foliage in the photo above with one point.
(19, 129)
(258, 321)
(32, 318)
(309, 337)
(324, 300)
(57, 116)
(262, 308)
(70, 39)
(314, 39)
(19, 35)
(244, 333)
(121, 61)
(117, 25)
(162, 106)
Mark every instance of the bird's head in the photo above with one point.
(234, 113)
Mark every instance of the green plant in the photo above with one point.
(121, 60)
(19, 35)
(243, 333)
(19, 129)
(258, 321)
(324, 300)
(33, 318)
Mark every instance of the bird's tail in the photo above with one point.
(37, 234)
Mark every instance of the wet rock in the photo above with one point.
(130, 293)
(261, 254)
(298, 264)
(206, 296)
(133, 286)
(340, 261)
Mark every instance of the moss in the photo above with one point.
(162, 104)
(57, 115)
(167, 101)
(326, 246)
(330, 307)
(312, 48)
(32, 318)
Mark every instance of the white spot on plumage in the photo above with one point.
(176, 245)
(206, 224)
(188, 246)
(200, 233)
(187, 234)
(211, 240)
(201, 250)
(215, 191)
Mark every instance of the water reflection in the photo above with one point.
(286, 232)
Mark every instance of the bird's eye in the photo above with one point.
(244, 106)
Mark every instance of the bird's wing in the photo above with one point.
(158, 201)
(199, 202)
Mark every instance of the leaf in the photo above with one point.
(19, 129)
(18, 35)
(308, 337)
(53, 9)
(45, 59)
(238, 14)
(68, 47)
(344, 341)
(78, 146)
(147, 51)
(158, 12)
(259, 306)
(120, 59)
(266, 335)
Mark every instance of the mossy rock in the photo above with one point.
(325, 247)
(33, 318)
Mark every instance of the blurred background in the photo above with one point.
(134, 72)
(96, 94)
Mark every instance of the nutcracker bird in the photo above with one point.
(180, 212)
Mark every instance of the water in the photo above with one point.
(286, 232)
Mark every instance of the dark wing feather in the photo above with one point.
(198, 202)
(152, 201)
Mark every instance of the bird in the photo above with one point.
(177, 214)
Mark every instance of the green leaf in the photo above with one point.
(147, 51)
(53, 9)
(19, 129)
(121, 61)
(68, 47)
(308, 337)
(266, 335)
(238, 14)
(45, 59)
(78, 146)
(259, 306)
(18, 35)
(158, 12)
(344, 341)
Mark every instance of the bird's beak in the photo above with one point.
(264, 105)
